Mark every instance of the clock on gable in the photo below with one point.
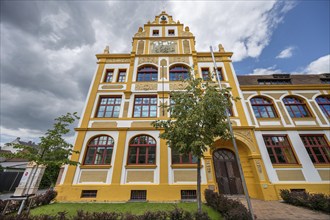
(164, 47)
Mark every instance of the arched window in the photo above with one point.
(178, 72)
(142, 150)
(99, 151)
(296, 107)
(324, 103)
(263, 108)
(147, 73)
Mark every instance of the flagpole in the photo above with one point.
(234, 143)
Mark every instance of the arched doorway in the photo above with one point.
(227, 172)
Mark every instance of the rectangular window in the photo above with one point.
(317, 148)
(139, 195)
(188, 195)
(108, 76)
(145, 107)
(219, 72)
(88, 194)
(171, 32)
(109, 107)
(121, 76)
(279, 149)
(230, 108)
(205, 74)
(155, 33)
(142, 155)
(178, 158)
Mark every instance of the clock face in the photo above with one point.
(163, 47)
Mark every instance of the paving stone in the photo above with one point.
(277, 210)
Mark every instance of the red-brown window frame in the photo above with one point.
(171, 32)
(107, 71)
(320, 147)
(146, 72)
(263, 104)
(180, 158)
(106, 146)
(322, 104)
(138, 146)
(272, 147)
(106, 105)
(220, 73)
(155, 32)
(180, 74)
(205, 76)
(299, 103)
(143, 97)
(119, 75)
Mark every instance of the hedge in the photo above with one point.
(317, 201)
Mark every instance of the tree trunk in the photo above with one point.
(199, 195)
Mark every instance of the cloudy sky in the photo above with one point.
(48, 48)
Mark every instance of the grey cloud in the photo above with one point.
(24, 15)
(23, 108)
(48, 55)
(43, 21)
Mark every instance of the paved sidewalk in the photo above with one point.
(277, 210)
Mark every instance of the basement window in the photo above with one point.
(188, 195)
(88, 194)
(297, 190)
(138, 195)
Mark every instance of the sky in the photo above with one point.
(47, 48)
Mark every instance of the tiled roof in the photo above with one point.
(295, 79)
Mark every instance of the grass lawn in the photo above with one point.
(133, 207)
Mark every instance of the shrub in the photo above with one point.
(228, 208)
(201, 216)
(159, 215)
(180, 214)
(319, 202)
(237, 213)
(176, 214)
(316, 201)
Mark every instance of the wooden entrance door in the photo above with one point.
(227, 173)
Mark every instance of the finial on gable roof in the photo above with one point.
(106, 49)
(221, 49)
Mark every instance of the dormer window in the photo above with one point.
(274, 81)
(325, 78)
(281, 76)
(278, 79)
(325, 81)
(171, 32)
(155, 33)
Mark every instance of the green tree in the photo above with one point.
(53, 149)
(198, 117)
(50, 176)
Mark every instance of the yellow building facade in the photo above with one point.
(121, 156)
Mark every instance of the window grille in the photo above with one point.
(88, 194)
(188, 195)
(139, 195)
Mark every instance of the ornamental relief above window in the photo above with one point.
(163, 47)
(146, 60)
